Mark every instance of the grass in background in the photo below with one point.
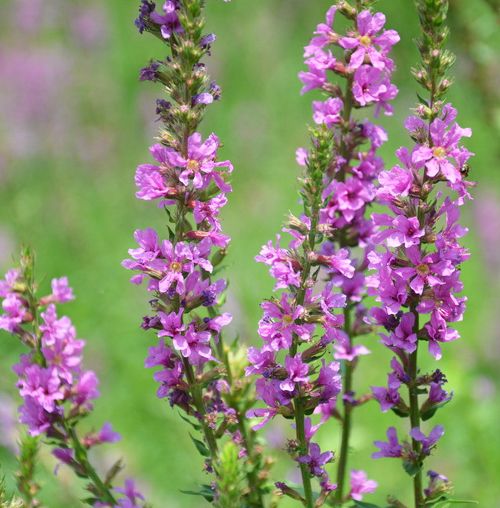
(79, 214)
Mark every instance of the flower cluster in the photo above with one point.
(337, 188)
(187, 180)
(417, 271)
(56, 391)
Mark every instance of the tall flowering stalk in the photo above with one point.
(322, 270)
(198, 373)
(57, 392)
(417, 276)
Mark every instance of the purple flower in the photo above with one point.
(297, 372)
(107, 434)
(40, 384)
(65, 455)
(427, 442)
(194, 345)
(271, 394)
(445, 136)
(387, 397)
(61, 292)
(203, 98)
(344, 350)
(169, 21)
(15, 310)
(360, 485)
(86, 389)
(150, 72)
(260, 360)
(171, 324)
(178, 259)
(316, 460)
(132, 495)
(438, 484)
(364, 43)
(145, 9)
(324, 34)
(351, 196)
(200, 167)
(438, 331)
(208, 211)
(35, 417)
(400, 230)
(427, 269)
(279, 322)
(8, 282)
(403, 337)
(437, 395)
(148, 250)
(371, 85)
(390, 449)
(330, 381)
(318, 63)
(328, 112)
(338, 262)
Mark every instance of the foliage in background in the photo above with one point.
(78, 212)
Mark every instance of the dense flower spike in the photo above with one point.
(57, 392)
(337, 188)
(417, 270)
(195, 370)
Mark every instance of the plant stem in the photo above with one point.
(415, 415)
(303, 449)
(82, 458)
(348, 366)
(346, 418)
(200, 407)
(255, 493)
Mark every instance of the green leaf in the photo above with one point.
(422, 100)
(200, 446)
(426, 415)
(411, 468)
(205, 492)
(361, 504)
(401, 414)
(193, 424)
(447, 502)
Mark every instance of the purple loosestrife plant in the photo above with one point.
(417, 277)
(322, 272)
(57, 391)
(196, 372)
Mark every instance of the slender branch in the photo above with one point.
(346, 419)
(200, 407)
(301, 439)
(82, 457)
(415, 415)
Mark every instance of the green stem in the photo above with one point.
(82, 458)
(255, 493)
(200, 407)
(303, 449)
(415, 415)
(346, 418)
(348, 366)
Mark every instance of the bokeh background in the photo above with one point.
(74, 123)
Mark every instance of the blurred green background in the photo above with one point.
(75, 122)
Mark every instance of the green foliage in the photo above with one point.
(7, 501)
(229, 477)
(25, 476)
(80, 214)
(362, 504)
